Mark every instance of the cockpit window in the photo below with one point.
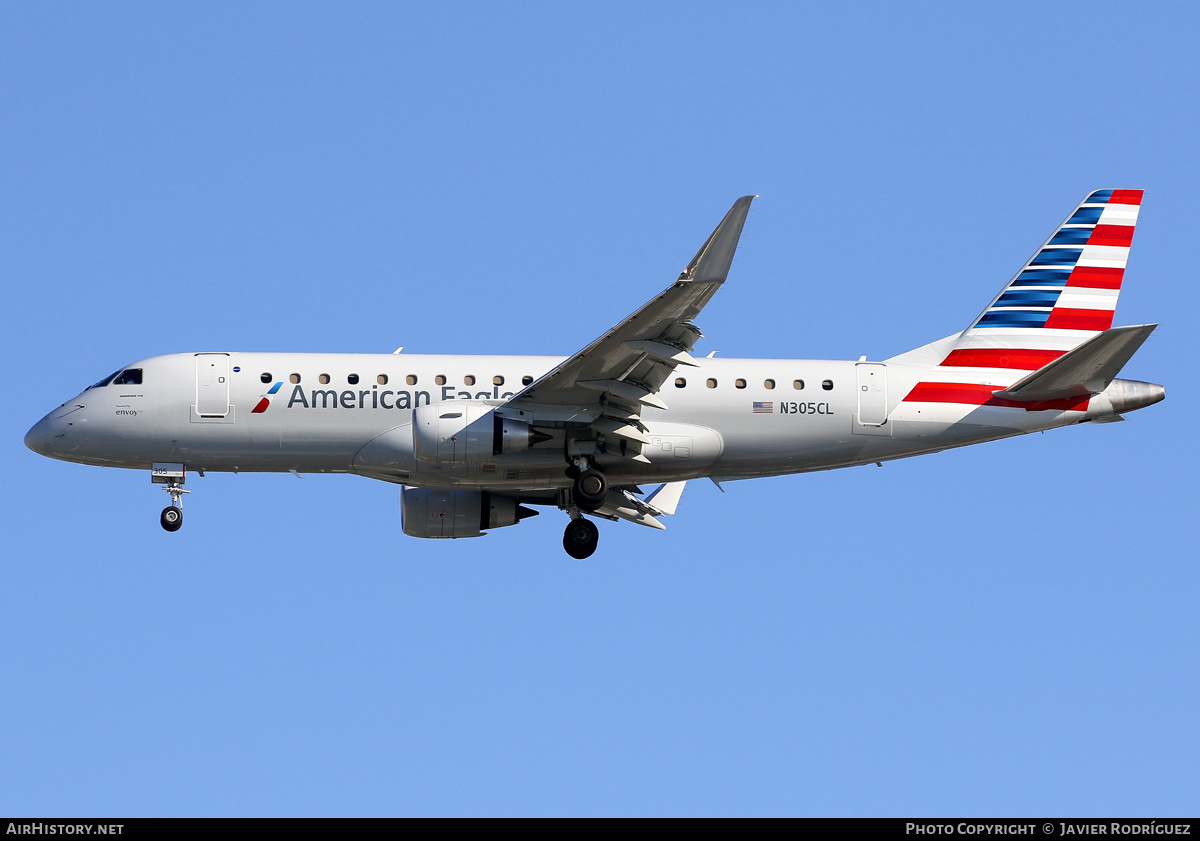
(130, 376)
(103, 382)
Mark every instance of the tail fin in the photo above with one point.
(1063, 296)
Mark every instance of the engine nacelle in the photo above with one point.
(432, 513)
(459, 431)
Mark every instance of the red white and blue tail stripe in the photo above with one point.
(1063, 296)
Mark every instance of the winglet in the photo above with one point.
(714, 258)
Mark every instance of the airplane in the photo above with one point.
(474, 441)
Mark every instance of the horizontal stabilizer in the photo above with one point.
(626, 506)
(621, 504)
(666, 498)
(1088, 369)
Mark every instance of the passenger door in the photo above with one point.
(872, 399)
(212, 385)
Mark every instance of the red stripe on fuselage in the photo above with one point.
(973, 393)
(1026, 360)
(1094, 277)
(261, 407)
(1062, 318)
(978, 394)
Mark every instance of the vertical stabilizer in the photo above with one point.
(1064, 295)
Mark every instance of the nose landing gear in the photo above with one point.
(171, 477)
(172, 516)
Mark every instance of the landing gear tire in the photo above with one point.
(580, 538)
(590, 490)
(171, 518)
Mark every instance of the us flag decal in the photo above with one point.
(763, 408)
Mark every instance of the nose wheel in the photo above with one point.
(171, 518)
(580, 538)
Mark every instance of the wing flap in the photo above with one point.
(620, 429)
(627, 391)
(665, 353)
(1088, 369)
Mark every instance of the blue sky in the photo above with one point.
(1008, 629)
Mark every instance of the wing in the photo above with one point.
(622, 371)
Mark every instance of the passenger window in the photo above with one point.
(680, 382)
(711, 383)
(440, 379)
(381, 379)
(324, 379)
(526, 380)
(827, 385)
(266, 377)
(469, 380)
(768, 384)
(739, 383)
(352, 379)
(411, 379)
(130, 376)
(294, 378)
(798, 385)
(497, 380)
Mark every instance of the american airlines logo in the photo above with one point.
(266, 400)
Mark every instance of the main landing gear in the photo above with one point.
(590, 489)
(580, 538)
(588, 494)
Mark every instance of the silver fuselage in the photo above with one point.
(759, 417)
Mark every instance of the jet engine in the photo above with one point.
(459, 431)
(433, 513)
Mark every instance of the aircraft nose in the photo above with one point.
(48, 436)
(40, 436)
